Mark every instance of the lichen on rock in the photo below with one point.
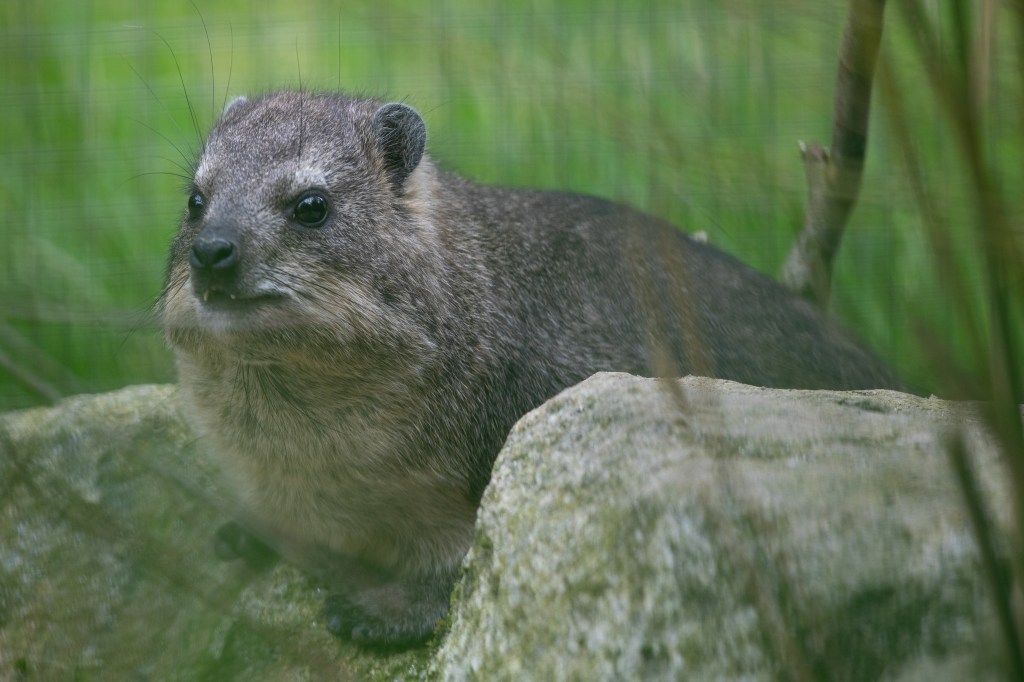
(746, 533)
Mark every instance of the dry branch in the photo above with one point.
(834, 175)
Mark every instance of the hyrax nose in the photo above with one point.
(214, 253)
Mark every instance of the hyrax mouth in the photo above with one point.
(230, 299)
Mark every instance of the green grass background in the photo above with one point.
(686, 108)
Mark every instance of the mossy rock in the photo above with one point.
(629, 533)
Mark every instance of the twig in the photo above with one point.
(834, 175)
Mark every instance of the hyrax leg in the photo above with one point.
(232, 541)
(396, 613)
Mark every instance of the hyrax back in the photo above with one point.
(356, 331)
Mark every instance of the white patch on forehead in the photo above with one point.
(296, 176)
(202, 170)
(308, 176)
(291, 178)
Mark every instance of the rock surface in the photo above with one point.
(727, 533)
(108, 505)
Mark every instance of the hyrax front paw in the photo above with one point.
(395, 615)
(348, 620)
(232, 541)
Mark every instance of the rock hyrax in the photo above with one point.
(356, 331)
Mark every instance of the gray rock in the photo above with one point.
(730, 533)
(739, 534)
(108, 505)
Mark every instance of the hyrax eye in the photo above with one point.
(196, 204)
(310, 210)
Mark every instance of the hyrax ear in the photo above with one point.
(402, 137)
(233, 104)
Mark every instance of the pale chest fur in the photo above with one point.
(322, 469)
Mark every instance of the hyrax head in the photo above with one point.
(296, 213)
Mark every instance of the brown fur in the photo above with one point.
(359, 376)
